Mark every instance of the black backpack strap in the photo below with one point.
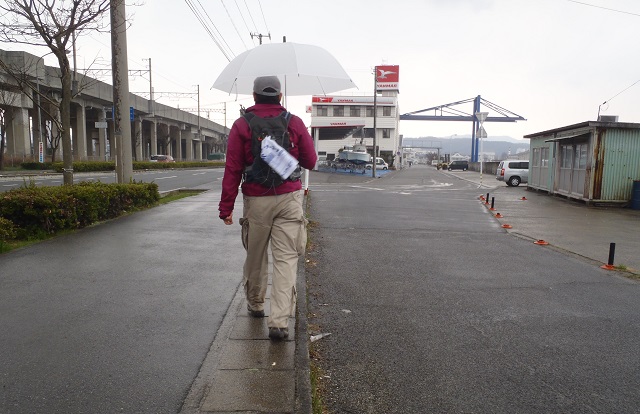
(248, 116)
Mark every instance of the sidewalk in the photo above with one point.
(565, 224)
(245, 371)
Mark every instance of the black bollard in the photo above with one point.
(612, 253)
(492, 201)
(487, 197)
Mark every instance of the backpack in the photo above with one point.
(277, 128)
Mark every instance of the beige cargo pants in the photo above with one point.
(279, 219)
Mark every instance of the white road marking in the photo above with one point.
(162, 178)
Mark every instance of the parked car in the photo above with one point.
(162, 158)
(459, 165)
(381, 164)
(513, 172)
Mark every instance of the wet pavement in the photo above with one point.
(206, 332)
(433, 306)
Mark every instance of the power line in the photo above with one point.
(206, 28)
(249, 11)
(214, 26)
(245, 22)
(265, 20)
(624, 90)
(233, 23)
(608, 100)
(605, 8)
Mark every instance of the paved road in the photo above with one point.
(433, 307)
(116, 318)
(167, 180)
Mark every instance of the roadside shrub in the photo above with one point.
(36, 166)
(41, 211)
(98, 166)
(88, 166)
(7, 230)
(148, 165)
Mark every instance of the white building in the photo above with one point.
(344, 121)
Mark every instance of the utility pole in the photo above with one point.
(375, 114)
(150, 90)
(121, 116)
(260, 36)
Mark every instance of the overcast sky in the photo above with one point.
(551, 61)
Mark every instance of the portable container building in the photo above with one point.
(596, 162)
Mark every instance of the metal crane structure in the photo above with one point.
(447, 112)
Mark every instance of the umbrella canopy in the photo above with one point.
(302, 70)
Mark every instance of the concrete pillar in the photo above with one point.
(80, 133)
(199, 145)
(138, 141)
(17, 134)
(178, 155)
(102, 136)
(154, 138)
(188, 137)
(173, 138)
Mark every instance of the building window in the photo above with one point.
(338, 111)
(386, 111)
(369, 111)
(323, 110)
(386, 133)
(354, 112)
(544, 157)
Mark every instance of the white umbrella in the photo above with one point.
(302, 69)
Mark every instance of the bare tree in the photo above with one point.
(54, 136)
(52, 23)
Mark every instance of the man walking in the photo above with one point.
(272, 203)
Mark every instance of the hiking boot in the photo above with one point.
(278, 333)
(256, 313)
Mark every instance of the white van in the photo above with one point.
(380, 164)
(513, 172)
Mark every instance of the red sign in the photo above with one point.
(382, 100)
(322, 99)
(388, 77)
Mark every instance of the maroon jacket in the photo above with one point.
(239, 156)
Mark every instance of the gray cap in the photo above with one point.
(267, 86)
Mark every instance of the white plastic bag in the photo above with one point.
(278, 158)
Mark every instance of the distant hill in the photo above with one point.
(462, 145)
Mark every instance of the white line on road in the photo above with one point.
(367, 188)
(202, 173)
(9, 185)
(162, 178)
